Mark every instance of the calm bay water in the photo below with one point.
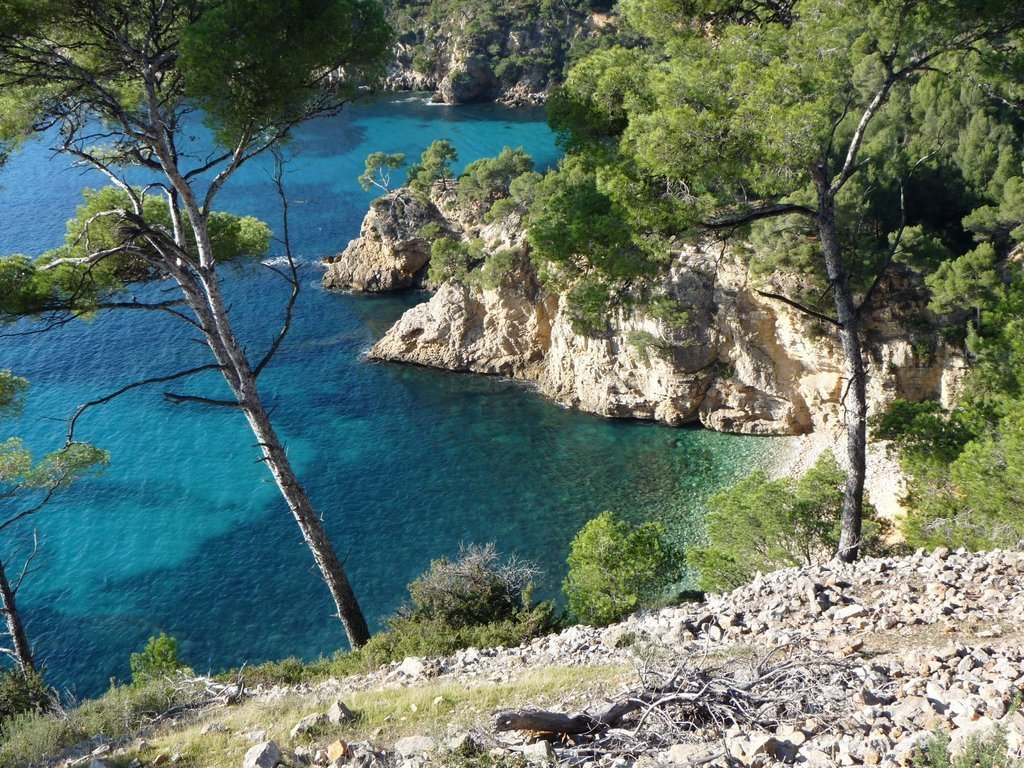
(185, 532)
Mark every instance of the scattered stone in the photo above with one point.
(337, 750)
(263, 755)
(464, 745)
(212, 728)
(411, 746)
(339, 713)
(307, 724)
(412, 667)
(538, 752)
(848, 612)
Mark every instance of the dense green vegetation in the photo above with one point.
(616, 568)
(762, 525)
(834, 138)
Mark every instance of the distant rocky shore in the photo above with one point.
(511, 57)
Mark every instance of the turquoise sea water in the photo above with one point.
(186, 534)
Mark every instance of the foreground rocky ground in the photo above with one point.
(826, 665)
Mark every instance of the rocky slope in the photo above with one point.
(826, 665)
(723, 355)
(513, 52)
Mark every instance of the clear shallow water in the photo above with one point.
(186, 534)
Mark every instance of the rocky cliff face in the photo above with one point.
(736, 362)
(509, 53)
(393, 246)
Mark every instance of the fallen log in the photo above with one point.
(576, 723)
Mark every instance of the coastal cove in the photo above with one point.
(185, 533)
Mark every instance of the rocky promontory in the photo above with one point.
(708, 347)
(513, 53)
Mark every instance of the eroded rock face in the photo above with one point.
(511, 57)
(738, 362)
(392, 250)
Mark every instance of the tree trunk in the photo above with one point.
(855, 399)
(312, 528)
(203, 293)
(22, 650)
(242, 380)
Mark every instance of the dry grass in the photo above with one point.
(438, 708)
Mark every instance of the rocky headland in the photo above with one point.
(724, 355)
(512, 53)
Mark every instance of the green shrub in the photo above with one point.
(158, 659)
(521, 193)
(475, 600)
(435, 165)
(453, 259)
(22, 692)
(496, 267)
(762, 525)
(985, 750)
(645, 344)
(670, 311)
(472, 590)
(589, 303)
(615, 568)
(430, 230)
(33, 738)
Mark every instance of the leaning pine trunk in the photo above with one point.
(243, 383)
(855, 400)
(22, 650)
(309, 522)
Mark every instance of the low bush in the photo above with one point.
(33, 738)
(984, 750)
(615, 568)
(490, 178)
(159, 659)
(453, 259)
(23, 692)
(763, 525)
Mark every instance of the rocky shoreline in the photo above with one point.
(730, 358)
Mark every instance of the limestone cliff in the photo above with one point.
(724, 355)
(486, 51)
(393, 246)
(740, 363)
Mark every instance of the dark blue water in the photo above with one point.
(185, 532)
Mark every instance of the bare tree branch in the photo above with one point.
(292, 277)
(799, 306)
(135, 385)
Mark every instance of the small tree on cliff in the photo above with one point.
(745, 112)
(118, 79)
(377, 172)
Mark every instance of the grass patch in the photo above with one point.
(123, 711)
(436, 708)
